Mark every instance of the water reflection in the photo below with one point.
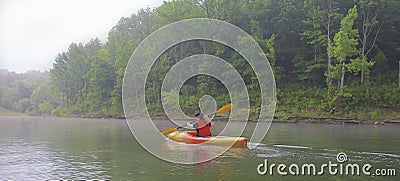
(32, 159)
(40, 148)
(221, 168)
(194, 153)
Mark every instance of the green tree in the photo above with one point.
(59, 80)
(40, 94)
(102, 81)
(344, 49)
(23, 105)
(45, 108)
(322, 18)
(381, 67)
(370, 28)
(122, 40)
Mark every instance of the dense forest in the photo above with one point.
(28, 93)
(329, 57)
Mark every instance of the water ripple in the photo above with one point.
(29, 159)
(380, 154)
(292, 146)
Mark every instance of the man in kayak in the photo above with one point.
(202, 125)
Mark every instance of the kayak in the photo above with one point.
(190, 137)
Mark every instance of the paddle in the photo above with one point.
(219, 111)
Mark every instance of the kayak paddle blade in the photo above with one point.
(224, 108)
(168, 131)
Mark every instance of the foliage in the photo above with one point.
(303, 41)
(45, 107)
(280, 27)
(24, 92)
(344, 49)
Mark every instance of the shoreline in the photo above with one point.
(313, 120)
(288, 120)
(341, 121)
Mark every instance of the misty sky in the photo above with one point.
(32, 32)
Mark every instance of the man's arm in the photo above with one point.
(208, 120)
(195, 125)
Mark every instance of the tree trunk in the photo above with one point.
(328, 30)
(399, 79)
(343, 71)
(362, 75)
(329, 57)
(366, 30)
(67, 93)
(363, 43)
(342, 78)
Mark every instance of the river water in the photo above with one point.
(42, 148)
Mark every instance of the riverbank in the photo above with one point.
(283, 120)
(307, 119)
(370, 118)
(376, 117)
(324, 120)
(6, 112)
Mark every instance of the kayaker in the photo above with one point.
(202, 125)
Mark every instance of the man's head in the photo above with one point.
(198, 114)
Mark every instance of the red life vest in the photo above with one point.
(203, 130)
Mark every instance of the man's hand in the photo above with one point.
(190, 125)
